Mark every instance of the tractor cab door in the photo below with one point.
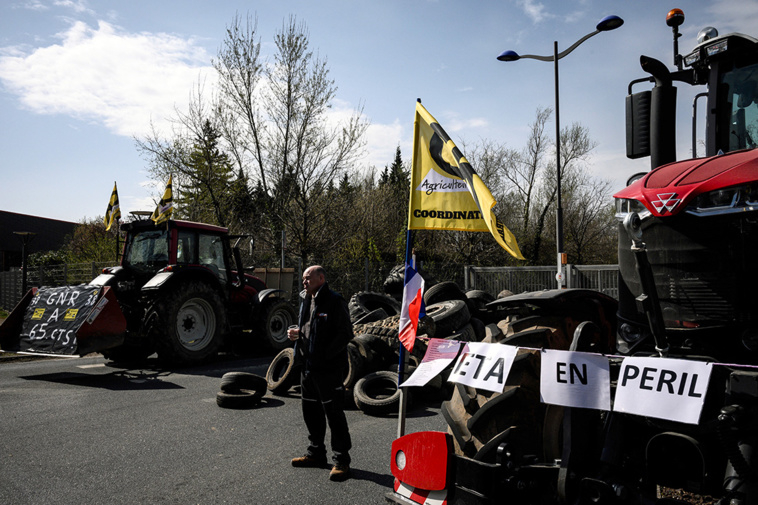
(214, 254)
(208, 250)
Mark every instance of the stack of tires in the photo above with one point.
(373, 353)
(241, 390)
(451, 314)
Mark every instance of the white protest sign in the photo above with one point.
(663, 388)
(574, 379)
(439, 354)
(484, 366)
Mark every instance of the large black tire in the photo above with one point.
(239, 400)
(364, 302)
(191, 322)
(355, 368)
(373, 316)
(278, 315)
(236, 382)
(480, 329)
(448, 316)
(477, 417)
(377, 393)
(394, 283)
(465, 333)
(480, 420)
(477, 301)
(282, 373)
(442, 292)
(367, 345)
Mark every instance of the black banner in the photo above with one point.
(53, 317)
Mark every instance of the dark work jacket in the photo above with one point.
(330, 331)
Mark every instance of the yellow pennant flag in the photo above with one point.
(165, 207)
(446, 193)
(113, 212)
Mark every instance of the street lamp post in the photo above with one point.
(606, 24)
(26, 237)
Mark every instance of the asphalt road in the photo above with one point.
(78, 431)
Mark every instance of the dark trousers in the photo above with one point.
(323, 401)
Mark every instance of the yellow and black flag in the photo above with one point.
(446, 193)
(165, 207)
(113, 212)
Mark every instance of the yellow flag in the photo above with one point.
(446, 193)
(113, 212)
(165, 207)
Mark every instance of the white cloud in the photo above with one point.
(32, 5)
(382, 141)
(121, 80)
(534, 10)
(78, 6)
(452, 123)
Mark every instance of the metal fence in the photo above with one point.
(603, 278)
(360, 275)
(70, 274)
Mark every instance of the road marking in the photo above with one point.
(96, 365)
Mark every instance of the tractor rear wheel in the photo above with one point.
(192, 319)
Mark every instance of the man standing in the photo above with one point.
(321, 346)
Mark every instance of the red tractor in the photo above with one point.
(180, 291)
(687, 233)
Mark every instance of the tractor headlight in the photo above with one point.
(726, 200)
(625, 206)
(629, 333)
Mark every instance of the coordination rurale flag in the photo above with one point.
(165, 207)
(446, 193)
(113, 212)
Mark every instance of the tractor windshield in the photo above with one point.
(147, 251)
(741, 89)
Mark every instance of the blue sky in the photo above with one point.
(79, 79)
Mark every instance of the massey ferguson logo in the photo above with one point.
(666, 202)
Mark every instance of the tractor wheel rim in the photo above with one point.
(278, 324)
(195, 324)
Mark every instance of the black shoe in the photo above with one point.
(308, 462)
(340, 472)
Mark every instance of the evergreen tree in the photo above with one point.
(210, 181)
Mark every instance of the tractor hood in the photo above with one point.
(716, 185)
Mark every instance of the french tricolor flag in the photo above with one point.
(412, 307)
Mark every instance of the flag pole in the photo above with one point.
(410, 258)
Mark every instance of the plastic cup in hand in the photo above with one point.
(293, 330)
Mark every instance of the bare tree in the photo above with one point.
(589, 225)
(193, 154)
(278, 126)
(533, 181)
